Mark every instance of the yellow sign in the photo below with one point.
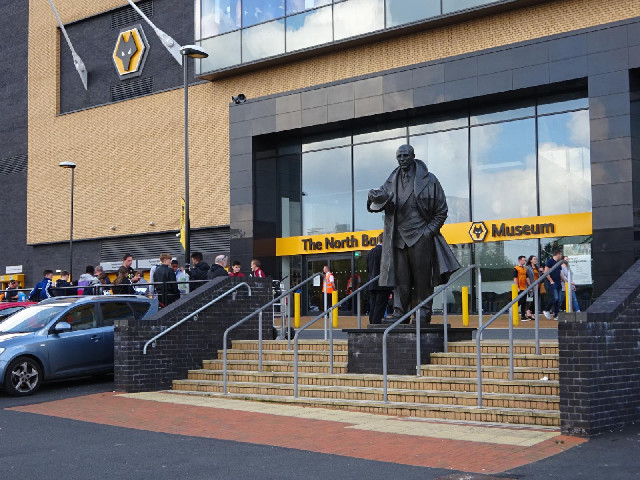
(183, 230)
(455, 233)
(130, 52)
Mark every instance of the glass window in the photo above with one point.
(81, 318)
(309, 29)
(502, 112)
(441, 122)
(446, 155)
(563, 103)
(295, 6)
(382, 134)
(356, 17)
(503, 170)
(318, 142)
(326, 191)
(564, 163)
(263, 41)
(219, 16)
(112, 311)
(259, 11)
(197, 17)
(372, 164)
(449, 6)
(406, 11)
(224, 50)
(497, 260)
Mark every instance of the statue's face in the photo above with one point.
(405, 156)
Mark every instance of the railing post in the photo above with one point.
(224, 363)
(295, 365)
(511, 342)
(384, 366)
(260, 341)
(418, 352)
(359, 311)
(479, 295)
(331, 345)
(325, 310)
(479, 368)
(536, 308)
(445, 309)
(288, 298)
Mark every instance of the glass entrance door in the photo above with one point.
(342, 269)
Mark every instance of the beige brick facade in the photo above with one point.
(130, 189)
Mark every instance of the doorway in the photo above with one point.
(342, 267)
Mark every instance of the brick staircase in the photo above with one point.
(447, 388)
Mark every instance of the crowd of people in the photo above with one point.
(168, 280)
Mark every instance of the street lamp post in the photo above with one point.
(71, 166)
(188, 51)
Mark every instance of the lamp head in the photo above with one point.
(194, 51)
(67, 165)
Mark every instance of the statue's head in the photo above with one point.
(405, 156)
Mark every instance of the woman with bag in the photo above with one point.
(533, 273)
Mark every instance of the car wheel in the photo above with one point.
(23, 377)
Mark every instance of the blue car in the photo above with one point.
(63, 337)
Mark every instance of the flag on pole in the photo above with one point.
(183, 230)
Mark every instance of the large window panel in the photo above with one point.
(308, 29)
(296, 6)
(259, 11)
(564, 163)
(220, 16)
(356, 17)
(407, 11)
(446, 155)
(503, 170)
(263, 41)
(224, 49)
(372, 164)
(326, 191)
(449, 6)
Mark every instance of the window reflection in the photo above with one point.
(564, 163)
(258, 11)
(436, 123)
(295, 6)
(309, 29)
(355, 17)
(449, 6)
(503, 112)
(406, 11)
(446, 155)
(220, 16)
(320, 141)
(227, 52)
(503, 170)
(326, 191)
(372, 164)
(263, 41)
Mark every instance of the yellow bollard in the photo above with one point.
(296, 310)
(465, 306)
(514, 308)
(567, 298)
(334, 312)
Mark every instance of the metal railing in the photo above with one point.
(259, 313)
(314, 320)
(416, 310)
(195, 314)
(509, 306)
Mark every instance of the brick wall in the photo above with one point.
(600, 361)
(186, 346)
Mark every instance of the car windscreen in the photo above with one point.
(31, 319)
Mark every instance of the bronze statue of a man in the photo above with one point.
(415, 256)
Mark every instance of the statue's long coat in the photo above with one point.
(432, 204)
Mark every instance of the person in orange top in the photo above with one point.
(522, 282)
(329, 281)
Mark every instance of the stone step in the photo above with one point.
(495, 359)
(546, 418)
(498, 373)
(303, 345)
(498, 346)
(498, 400)
(530, 387)
(276, 366)
(284, 355)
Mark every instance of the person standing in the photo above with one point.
(378, 295)
(555, 285)
(167, 292)
(42, 290)
(63, 286)
(199, 269)
(11, 293)
(255, 268)
(533, 273)
(415, 255)
(219, 268)
(122, 283)
(236, 266)
(329, 284)
(521, 281)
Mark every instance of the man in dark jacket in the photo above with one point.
(415, 255)
(218, 268)
(167, 292)
(378, 296)
(199, 270)
(42, 290)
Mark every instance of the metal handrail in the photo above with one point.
(259, 313)
(416, 310)
(164, 332)
(508, 306)
(311, 322)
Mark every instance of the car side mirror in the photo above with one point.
(62, 327)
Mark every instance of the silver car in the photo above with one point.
(63, 337)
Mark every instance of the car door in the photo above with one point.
(82, 349)
(110, 312)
